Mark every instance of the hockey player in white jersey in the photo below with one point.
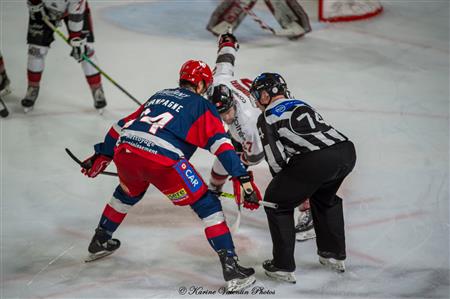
(231, 99)
(77, 18)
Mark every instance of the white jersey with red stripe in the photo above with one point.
(243, 129)
(58, 9)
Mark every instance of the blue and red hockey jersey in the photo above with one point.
(171, 125)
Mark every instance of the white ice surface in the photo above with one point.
(383, 82)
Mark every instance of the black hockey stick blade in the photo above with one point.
(78, 161)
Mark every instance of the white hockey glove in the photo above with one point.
(37, 11)
(78, 48)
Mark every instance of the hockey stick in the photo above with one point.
(86, 58)
(262, 202)
(220, 194)
(78, 161)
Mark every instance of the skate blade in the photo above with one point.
(27, 109)
(235, 285)
(304, 236)
(335, 265)
(100, 111)
(282, 276)
(95, 256)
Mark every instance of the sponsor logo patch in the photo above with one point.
(178, 196)
(189, 175)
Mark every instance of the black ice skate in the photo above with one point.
(99, 99)
(305, 228)
(278, 273)
(30, 98)
(101, 245)
(236, 276)
(4, 84)
(3, 109)
(334, 264)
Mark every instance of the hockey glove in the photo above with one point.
(252, 195)
(95, 164)
(78, 47)
(228, 40)
(37, 11)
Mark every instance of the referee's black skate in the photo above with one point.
(30, 98)
(278, 273)
(333, 264)
(236, 276)
(101, 245)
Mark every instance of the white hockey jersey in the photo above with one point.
(243, 129)
(58, 9)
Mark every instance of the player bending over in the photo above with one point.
(153, 146)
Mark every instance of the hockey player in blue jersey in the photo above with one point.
(153, 146)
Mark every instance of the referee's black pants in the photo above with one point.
(316, 175)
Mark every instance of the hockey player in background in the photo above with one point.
(308, 158)
(230, 96)
(77, 17)
(153, 146)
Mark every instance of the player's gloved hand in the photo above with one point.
(37, 11)
(95, 164)
(78, 47)
(228, 40)
(252, 195)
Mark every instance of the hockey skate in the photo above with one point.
(334, 264)
(101, 245)
(4, 84)
(277, 273)
(30, 98)
(99, 99)
(3, 109)
(236, 276)
(304, 230)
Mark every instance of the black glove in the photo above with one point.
(228, 39)
(37, 11)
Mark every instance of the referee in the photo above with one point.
(308, 158)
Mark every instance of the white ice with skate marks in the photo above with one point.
(383, 83)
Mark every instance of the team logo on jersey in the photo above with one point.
(285, 106)
(178, 196)
(280, 109)
(189, 175)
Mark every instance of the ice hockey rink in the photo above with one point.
(383, 82)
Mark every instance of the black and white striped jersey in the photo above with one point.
(291, 127)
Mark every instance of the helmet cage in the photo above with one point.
(222, 98)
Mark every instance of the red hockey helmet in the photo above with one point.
(195, 71)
